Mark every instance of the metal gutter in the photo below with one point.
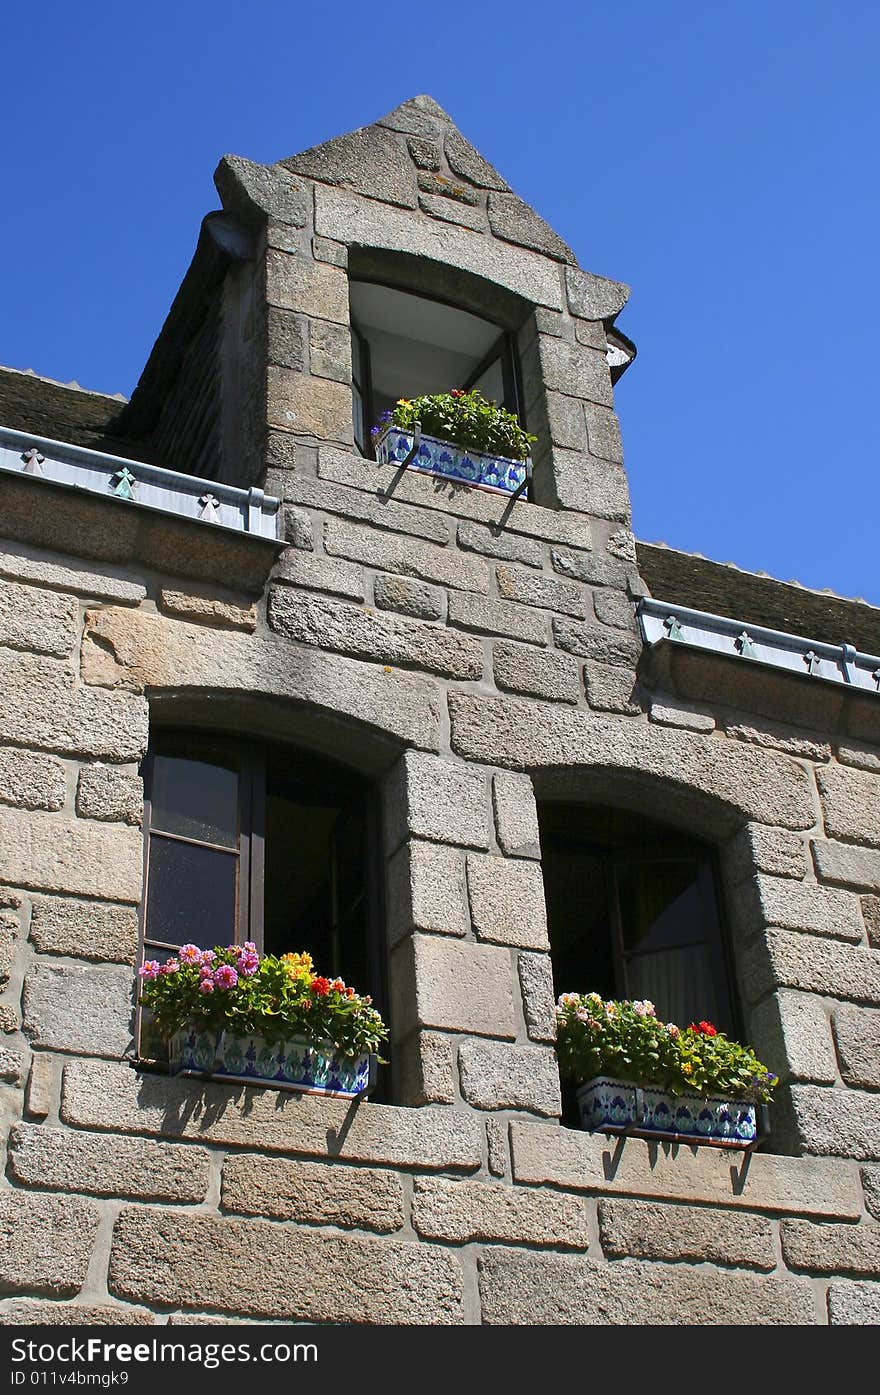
(811, 658)
(248, 511)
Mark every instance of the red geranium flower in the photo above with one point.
(457, 392)
(320, 987)
(705, 1029)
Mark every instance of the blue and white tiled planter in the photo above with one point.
(615, 1106)
(451, 462)
(292, 1064)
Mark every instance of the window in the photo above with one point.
(633, 912)
(251, 842)
(404, 345)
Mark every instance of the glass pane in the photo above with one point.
(191, 894)
(298, 906)
(660, 905)
(196, 798)
(491, 383)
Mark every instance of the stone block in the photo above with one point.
(84, 1010)
(597, 642)
(507, 901)
(9, 931)
(111, 795)
(756, 848)
(43, 707)
(603, 433)
(593, 486)
(453, 210)
(521, 668)
(50, 853)
(851, 804)
(514, 221)
(13, 1066)
(330, 351)
(30, 1312)
(312, 1193)
(842, 864)
(424, 1069)
(285, 339)
(565, 420)
(536, 986)
(500, 1075)
(842, 1123)
(575, 370)
(73, 1161)
(41, 621)
(370, 160)
(347, 218)
(440, 800)
(611, 689)
(296, 528)
(831, 1249)
(408, 597)
(871, 917)
(426, 891)
(594, 297)
(425, 153)
(614, 608)
(498, 1153)
(258, 1268)
(862, 757)
(778, 738)
(597, 568)
(671, 713)
(495, 542)
(871, 1185)
(725, 785)
(139, 650)
(786, 959)
(544, 1155)
(791, 1033)
(463, 1211)
(207, 610)
(407, 556)
(252, 190)
(567, 597)
(854, 1304)
(789, 905)
(72, 576)
(488, 616)
(380, 637)
(857, 1038)
(9, 1020)
(85, 929)
(452, 986)
(41, 1086)
(516, 815)
(549, 1289)
(45, 1242)
(645, 1230)
(442, 187)
(308, 406)
(32, 780)
(344, 495)
(306, 286)
(109, 1096)
(311, 573)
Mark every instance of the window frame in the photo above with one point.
(252, 758)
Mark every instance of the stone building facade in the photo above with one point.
(217, 558)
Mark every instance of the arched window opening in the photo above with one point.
(633, 912)
(265, 843)
(404, 345)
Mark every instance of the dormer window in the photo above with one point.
(404, 345)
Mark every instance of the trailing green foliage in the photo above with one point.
(465, 419)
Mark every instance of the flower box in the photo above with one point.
(435, 457)
(618, 1106)
(291, 1064)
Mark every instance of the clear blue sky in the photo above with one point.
(722, 159)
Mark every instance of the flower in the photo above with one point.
(248, 994)
(464, 419)
(626, 1041)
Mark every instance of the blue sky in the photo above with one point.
(720, 159)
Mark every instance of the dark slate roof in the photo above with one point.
(721, 588)
(63, 412)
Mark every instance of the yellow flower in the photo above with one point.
(687, 1067)
(298, 966)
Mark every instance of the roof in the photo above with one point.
(64, 411)
(720, 588)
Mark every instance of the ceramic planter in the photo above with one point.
(451, 462)
(293, 1064)
(616, 1106)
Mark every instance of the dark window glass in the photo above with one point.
(191, 893)
(195, 799)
